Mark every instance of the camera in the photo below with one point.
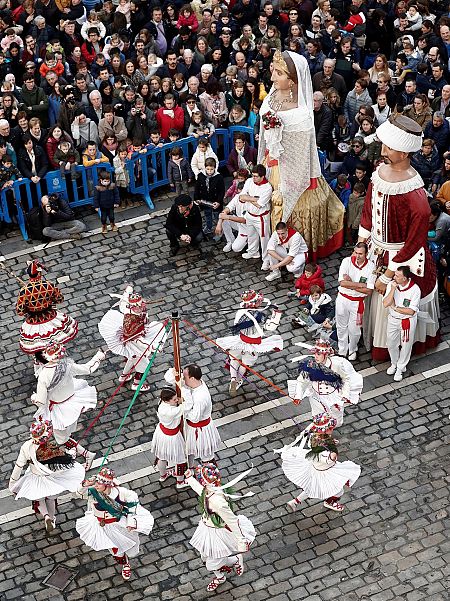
(138, 111)
(53, 201)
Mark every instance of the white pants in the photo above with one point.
(295, 266)
(238, 242)
(348, 332)
(399, 351)
(237, 371)
(255, 238)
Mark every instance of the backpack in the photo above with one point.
(33, 220)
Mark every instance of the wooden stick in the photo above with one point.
(11, 273)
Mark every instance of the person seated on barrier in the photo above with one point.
(58, 219)
(184, 224)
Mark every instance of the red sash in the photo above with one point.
(170, 431)
(249, 340)
(51, 403)
(262, 221)
(360, 311)
(198, 425)
(406, 326)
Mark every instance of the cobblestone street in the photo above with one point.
(389, 544)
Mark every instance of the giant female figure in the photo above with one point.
(288, 148)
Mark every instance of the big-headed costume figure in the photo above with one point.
(301, 197)
(394, 223)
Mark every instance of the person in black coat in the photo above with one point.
(323, 122)
(184, 224)
(32, 160)
(210, 187)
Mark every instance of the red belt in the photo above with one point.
(262, 220)
(51, 403)
(170, 431)
(201, 424)
(360, 301)
(104, 521)
(249, 340)
(197, 425)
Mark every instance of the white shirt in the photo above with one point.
(294, 246)
(363, 275)
(264, 194)
(407, 297)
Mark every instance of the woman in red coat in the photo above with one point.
(169, 116)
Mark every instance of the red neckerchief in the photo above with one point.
(264, 181)
(290, 233)
(355, 264)
(410, 285)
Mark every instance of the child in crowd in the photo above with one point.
(203, 152)
(361, 175)
(8, 172)
(237, 116)
(318, 308)
(355, 207)
(67, 158)
(122, 176)
(179, 171)
(311, 276)
(106, 196)
(174, 135)
(341, 187)
(210, 187)
(241, 177)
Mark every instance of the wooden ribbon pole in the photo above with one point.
(11, 273)
(177, 370)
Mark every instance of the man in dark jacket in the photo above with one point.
(58, 219)
(426, 161)
(184, 224)
(35, 102)
(323, 122)
(327, 78)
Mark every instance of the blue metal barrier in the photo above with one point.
(147, 172)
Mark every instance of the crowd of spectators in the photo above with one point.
(83, 85)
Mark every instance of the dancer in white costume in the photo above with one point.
(328, 381)
(200, 432)
(315, 469)
(129, 333)
(61, 398)
(113, 519)
(221, 536)
(50, 472)
(168, 444)
(255, 315)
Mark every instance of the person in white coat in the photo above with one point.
(113, 519)
(402, 298)
(129, 333)
(50, 472)
(168, 444)
(328, 381)
(221, 537)
(257, 193)
(315, 469)
(356, 277)
(286, 248)
(200, 432)
(255, 315)
(62, 398)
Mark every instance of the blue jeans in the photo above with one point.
(211, 217)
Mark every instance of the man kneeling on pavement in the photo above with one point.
(184, 224)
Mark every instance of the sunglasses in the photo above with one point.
(295, 14)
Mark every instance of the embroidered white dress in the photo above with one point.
(325, 396)
(39, 481)
(319, 478)
(216, 543)
(100, 530)
(169, 447)
(64, 403)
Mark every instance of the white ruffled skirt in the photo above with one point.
(216, 543)
(317, 484)
(267, 344)
(36, 337)
(169, 448)
(34, 487)
(204, 442)
(115, 534)
(110, 328)
(65, 415)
